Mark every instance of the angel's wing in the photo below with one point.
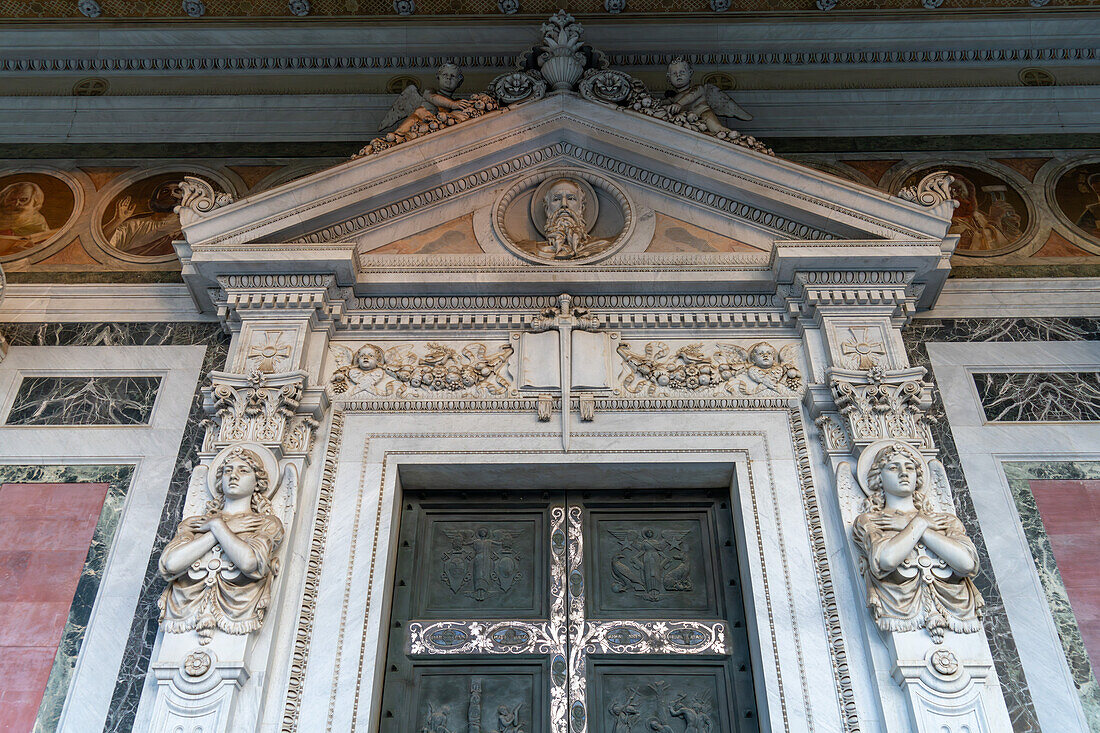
(674, 537)
(723, 105)
(788, 354)
(458, 537)
(733, 352)
(627, 536)
(406, 102)
(341, 354)
(849, 493)
(941, 486)
(398, 355)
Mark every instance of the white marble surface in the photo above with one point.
(983, 447)
(345, 661)
(98, 303)
(152, 448)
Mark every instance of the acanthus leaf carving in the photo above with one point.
(198, 197)
(261, 408)
(879, 404)
(932, 190)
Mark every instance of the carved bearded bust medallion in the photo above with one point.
(563, 216)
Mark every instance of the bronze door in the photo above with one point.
(600, 612)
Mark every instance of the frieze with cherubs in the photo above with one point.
(761, 370)
(370, 370)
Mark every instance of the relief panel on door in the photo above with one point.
(642, 566)
(448, 698)
(690, 697)
(481, 566)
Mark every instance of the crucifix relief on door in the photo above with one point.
(567, 613)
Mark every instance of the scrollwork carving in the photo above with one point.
(472, 370)
(259, 408)
(760, 370)
(198, 197)
(932, 190)
(881, 404)
(518, 86)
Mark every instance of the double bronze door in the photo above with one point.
(567, 612)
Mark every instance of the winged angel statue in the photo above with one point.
(704, 101)
(421, 113)
(398, 370)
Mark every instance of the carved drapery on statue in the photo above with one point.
(909, 585)
(220, 565)
(915, 556)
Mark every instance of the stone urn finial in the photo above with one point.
(561, 62)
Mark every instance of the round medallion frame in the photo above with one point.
(593, 184)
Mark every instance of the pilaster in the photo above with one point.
(870, 408)
(220, 614)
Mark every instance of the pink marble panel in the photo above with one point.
(45, 531)
(1070, 510)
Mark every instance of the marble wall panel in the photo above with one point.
(1059, 507)
(84, 401)
(1039, 396)
(1001, 640)
(58, 523)
(130, 676)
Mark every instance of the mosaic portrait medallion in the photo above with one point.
(991, 217)
(35, 209)
(1077, 198)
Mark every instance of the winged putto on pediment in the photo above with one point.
(562, 63)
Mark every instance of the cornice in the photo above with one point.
(316, 62)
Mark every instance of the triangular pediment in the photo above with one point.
(761, 197)
(376, 208)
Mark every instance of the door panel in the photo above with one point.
(551, 612)
(654, 564)
(476, 564)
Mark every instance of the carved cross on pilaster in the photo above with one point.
(564, 319)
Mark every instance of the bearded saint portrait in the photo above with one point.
(22, 224)
(568, 207)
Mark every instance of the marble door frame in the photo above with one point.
(797, 646)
